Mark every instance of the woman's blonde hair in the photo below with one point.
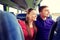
(27, 22)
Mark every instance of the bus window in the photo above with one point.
(13, 10)
(19, 11)
(23, 12)
(1, 7)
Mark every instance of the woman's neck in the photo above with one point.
(30, 24)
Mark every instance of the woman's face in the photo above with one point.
(32, 15)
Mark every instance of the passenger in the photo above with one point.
(28, 26)
(43, 23)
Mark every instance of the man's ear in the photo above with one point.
(39, 12)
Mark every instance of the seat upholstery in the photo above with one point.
(9, 27)
(21, 16)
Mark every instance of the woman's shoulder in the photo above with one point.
(22, 23)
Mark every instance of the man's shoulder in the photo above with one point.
(51, 20)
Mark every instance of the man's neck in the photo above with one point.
(44, 18)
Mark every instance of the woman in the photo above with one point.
(28, 26)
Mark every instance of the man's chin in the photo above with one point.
(35, 19)
(47, 16)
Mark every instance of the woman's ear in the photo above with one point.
(27, 17)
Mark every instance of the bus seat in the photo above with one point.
(12, 13)
(21, 16)
(9, 27)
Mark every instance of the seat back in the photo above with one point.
(21, 16)
(9, 27)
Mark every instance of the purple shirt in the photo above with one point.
(44, 27)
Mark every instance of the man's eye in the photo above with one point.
(46, 10)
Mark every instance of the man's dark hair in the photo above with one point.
(41, 8)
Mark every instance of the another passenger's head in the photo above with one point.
(44, 11)
(31, 15)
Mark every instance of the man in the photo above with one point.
(43, 23)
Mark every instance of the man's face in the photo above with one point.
(45, 12)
